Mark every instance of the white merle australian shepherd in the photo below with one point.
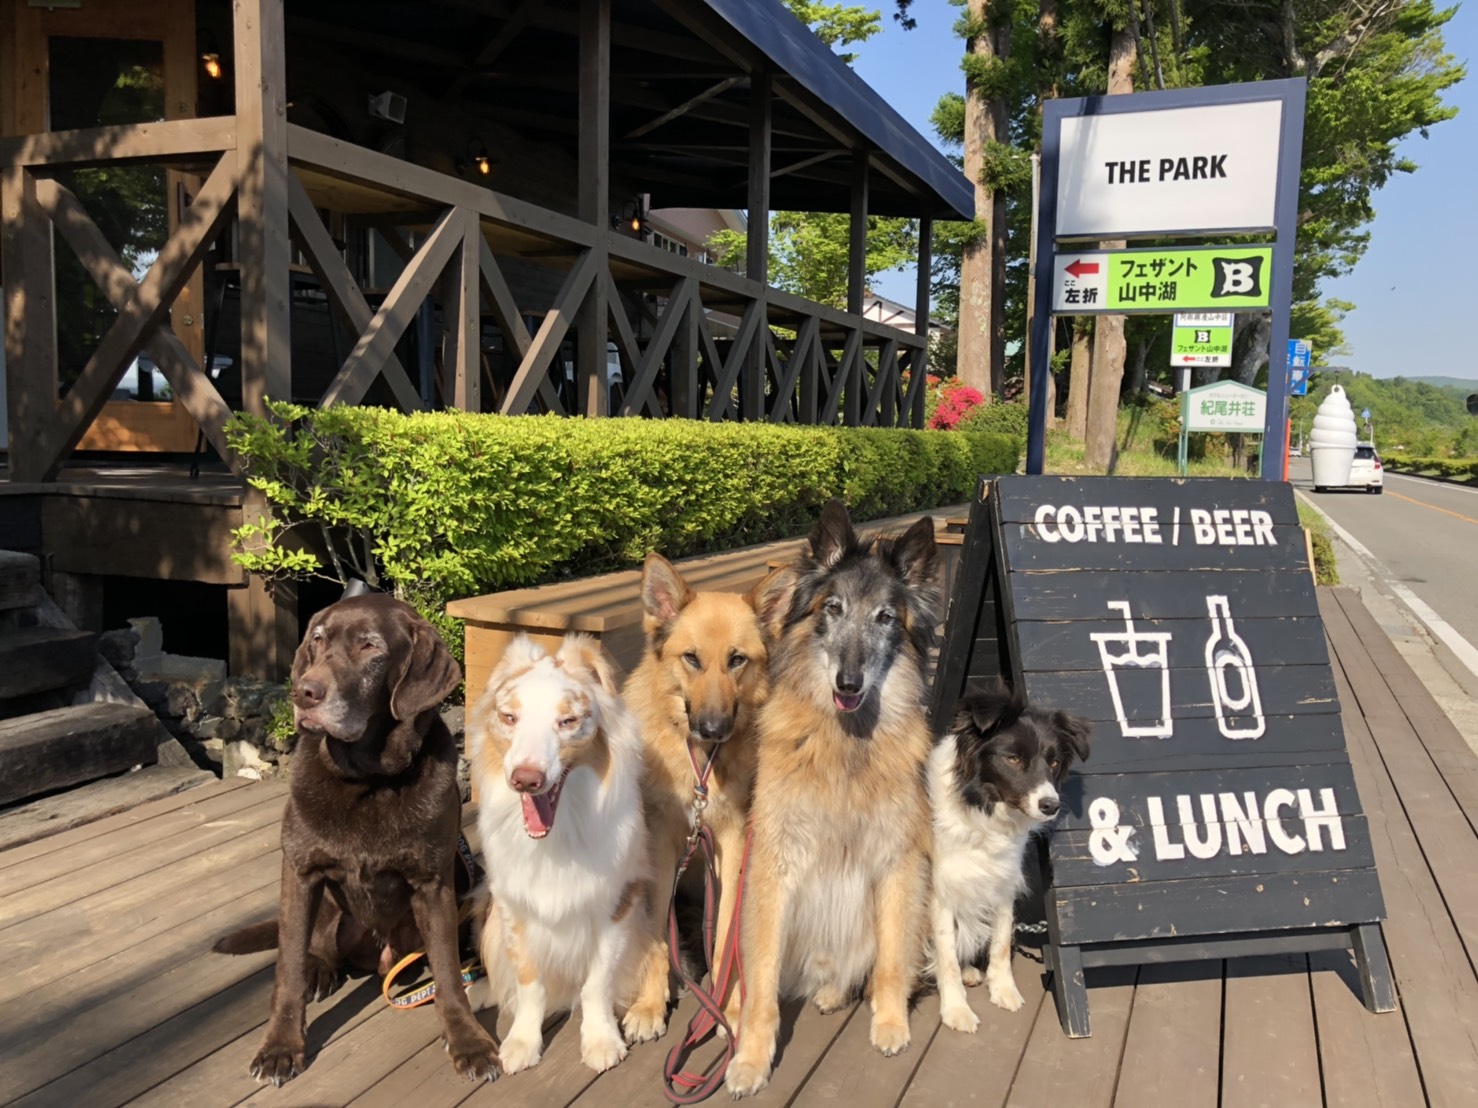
(559, 760)
(993, 780)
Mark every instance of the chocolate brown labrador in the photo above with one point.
(372, 821)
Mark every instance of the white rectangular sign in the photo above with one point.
(1225, 406)
(1203, 319)
(1211, 168)
(1079, 282)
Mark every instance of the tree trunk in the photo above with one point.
(1254, 353)
(1137, 368)
(1080, 370)
(1108, 334)
(982, 306)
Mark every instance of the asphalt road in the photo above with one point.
(1424, 533)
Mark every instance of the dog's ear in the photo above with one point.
(428, 675)
(988, 709)
(832, 539)
(664, 593)
(914, 554)
(582, 654)
(771, 598)
(1073, 731)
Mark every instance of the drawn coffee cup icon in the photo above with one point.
(1234, 692)
(1137, 664)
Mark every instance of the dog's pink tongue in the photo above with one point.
(847, 702)
(538, 814)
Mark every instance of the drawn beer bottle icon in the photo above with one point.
(1229, 667)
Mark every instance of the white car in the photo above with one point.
(1366, 471)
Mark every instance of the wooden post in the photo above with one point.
(757, 254)
(467, 385)
(920, 364)
(262, 203)
(595, 199)
(263, 624)
(30, 323)
(856, 370)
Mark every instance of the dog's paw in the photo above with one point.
(519, 1054)
(1004, 993)
(322, 980)
(829, 999)
(601, 1051)
(961, 1018)
(889, 1035)
(278, 1062)
(474, 1056)
(642, 1023)
(480, 995)
(746, 1077)
(971, 976)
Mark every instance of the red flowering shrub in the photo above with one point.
(955, 401)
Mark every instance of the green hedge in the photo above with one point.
(443, 505)
(1457, 469)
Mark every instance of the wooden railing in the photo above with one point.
(788, 360)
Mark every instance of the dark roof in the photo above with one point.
(793, 49)
(664, 54)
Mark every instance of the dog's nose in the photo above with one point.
(1049, 805)
(311, 691)
(714, 727)
(527, 779)
(850, 683)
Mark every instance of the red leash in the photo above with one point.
(682, 1086)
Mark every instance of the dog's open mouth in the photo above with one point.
(538, 811)
(847, 702)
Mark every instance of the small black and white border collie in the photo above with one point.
(993, 780)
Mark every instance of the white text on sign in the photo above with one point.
(1127, 524)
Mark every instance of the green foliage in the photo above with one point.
(440, 505)
(1001, 418)
(838, 24)
(1315, 523)
(1453, 469)
(1410, 417)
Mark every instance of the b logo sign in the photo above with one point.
(1237, 277)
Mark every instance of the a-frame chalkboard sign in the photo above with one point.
(1217, 816)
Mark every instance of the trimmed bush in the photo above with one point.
(1455, 469)
(1001, 418)
(442, 505)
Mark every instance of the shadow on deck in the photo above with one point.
(113, 996)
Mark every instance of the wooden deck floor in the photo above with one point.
(108, 994)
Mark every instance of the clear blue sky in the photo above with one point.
(1414, 314)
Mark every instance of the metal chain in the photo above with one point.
(1039, 928)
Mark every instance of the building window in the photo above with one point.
(662, 242)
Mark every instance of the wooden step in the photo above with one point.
(36, 659)
(51, 750)
(20, 580)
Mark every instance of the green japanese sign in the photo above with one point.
(1216, 279)
(1192, 346)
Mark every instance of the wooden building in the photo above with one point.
(437, 204)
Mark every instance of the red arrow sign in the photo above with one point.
(1188, 358)
(1080, 267)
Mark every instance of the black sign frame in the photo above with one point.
(1244, 897)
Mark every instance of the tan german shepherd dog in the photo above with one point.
(836, 891)
(701, 684)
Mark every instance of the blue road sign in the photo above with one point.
(1365, 415)
(1298, 381)
(1300, 353)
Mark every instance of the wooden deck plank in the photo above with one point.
(1269, 1053)
(1172, 1054)
(111, 922)
(854, 1073)
(1056, 1070)
(978, 1069)
(221, 1078)
(1435, 979)
(109, 872)
(57, 980)
(1447, 748)
(54, 1048)
(187, 810)
(637, 1080)
(38, 820)
(1366, 1059)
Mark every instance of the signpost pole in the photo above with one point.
(1183, 455)
(1041, 329)
(1285, 216)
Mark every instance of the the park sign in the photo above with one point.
(1216, 815)
(1202, 163)
(1191, 170)
(1129, 282)
(1225, 406)
(1201, 339)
